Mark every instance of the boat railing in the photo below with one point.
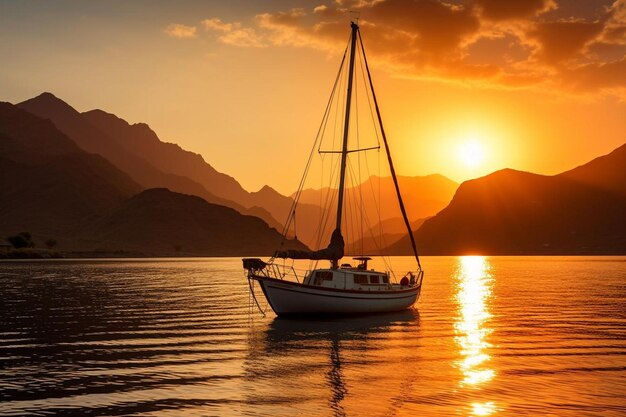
(419, 278)
(275, 271)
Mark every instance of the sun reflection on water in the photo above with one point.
(474, 283)
(483, 409)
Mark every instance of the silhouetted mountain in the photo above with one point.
(307, 215)
(423, 196)
(53, 189)
(138, 151)
(128, 152)
(139, 140)
(379, 237)
(581, 211)
(47, 184)
(607, 172)
(158, 221)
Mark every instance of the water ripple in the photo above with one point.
(491, 336)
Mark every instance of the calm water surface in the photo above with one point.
(491, 336)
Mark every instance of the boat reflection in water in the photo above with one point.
(474, 289)
(328, 361)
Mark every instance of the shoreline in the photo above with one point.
(96, 255)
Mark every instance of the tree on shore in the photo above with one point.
(21, 240)
(51, 243)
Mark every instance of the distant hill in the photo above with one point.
(160, 221)
(47, 184)
(581, 211)
(423, 196)
(139, 139)
(307, 215)
(379, 237)
(53, 189)
(136, 150)
(606, 172)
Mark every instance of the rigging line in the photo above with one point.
(308, 164)
(356, 212)
(386, 261)
(381, 243)
(328, 201)
(376, 133)
(382, 240)
(347, 223)
(352, 200)
(339, 97)
(393, 173)
(379, 201)
(351, 210)
(326, 213)
(358, 145)
(321, 194)
(332, 97)
(325, 208)
(333, 133)
(336, 99)
(370, 228)
(341, 76)
(369, 102)
(322, 127)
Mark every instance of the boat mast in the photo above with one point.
(346, 126)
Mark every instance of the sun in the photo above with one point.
(471, 153)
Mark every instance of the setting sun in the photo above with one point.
(471, 153)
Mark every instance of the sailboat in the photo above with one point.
(341, 288)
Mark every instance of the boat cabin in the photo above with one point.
(349, 277)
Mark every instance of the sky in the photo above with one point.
(465, 87)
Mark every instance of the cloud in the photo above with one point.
(290, 28)
(555, 44)
(562, 40)
(177, 30)
(219, 26)
(602, 76)
(615, 27)
(234, 34)
(513, 9)
(438, 28)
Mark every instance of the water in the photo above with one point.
(491, 336)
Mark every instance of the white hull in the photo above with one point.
(286, 297)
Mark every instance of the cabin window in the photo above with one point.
(385, 279)
(324, 275)
(374, 279)
(360, 279)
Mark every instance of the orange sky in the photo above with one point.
(540, 85)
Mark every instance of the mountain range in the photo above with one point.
(137, 150)
(581, 211)
(53, 188)
(95, 182)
